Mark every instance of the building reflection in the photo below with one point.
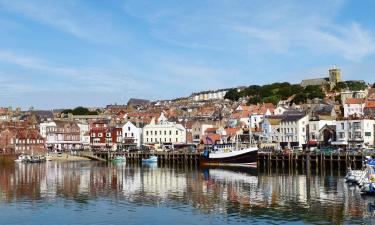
(245, 193)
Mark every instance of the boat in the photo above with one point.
(355, 176)
(152, 159)
(22, 158)
(119, 159)
(31, 158)
(230, 155)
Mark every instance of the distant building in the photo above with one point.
(209, 95)
(352, 94)
(332, 80)
(135, 102)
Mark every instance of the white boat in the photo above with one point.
(355, 176)
(22, 158)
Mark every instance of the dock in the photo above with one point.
(271, 160)
(310, 160)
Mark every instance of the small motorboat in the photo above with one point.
(22, 158)
(152, 159)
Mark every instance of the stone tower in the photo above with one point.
(334, 75)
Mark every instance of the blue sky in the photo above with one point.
(56, 54)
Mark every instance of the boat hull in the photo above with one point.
(244, 159)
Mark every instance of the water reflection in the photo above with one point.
(245, 195)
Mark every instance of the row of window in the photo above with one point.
(26, 141)
(152, 140)
(160, 132)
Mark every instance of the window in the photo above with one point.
(165, 132)
(128, 128)
(108, 135)
(146, 139)
(342, 126)
(146, 132)
(151, 132)
(132, 134)
(100, 135)
(126, 134)
(176, 132)
(170, 132)
(368, 134)
(160, 132)
(176, 139)
(93, 135)
(151, 139)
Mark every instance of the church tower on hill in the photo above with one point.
(334, 75)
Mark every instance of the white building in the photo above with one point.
(356, 133)
(43, 127)
(354, 106)
(132, 134)
(84, 130)
(314, 127)
(166, 132)
(293, 130)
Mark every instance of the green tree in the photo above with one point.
(254, 100)
(233, 95)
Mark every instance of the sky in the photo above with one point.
(62, 54)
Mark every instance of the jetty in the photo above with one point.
(316, 160)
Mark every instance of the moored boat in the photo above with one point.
(236, 154)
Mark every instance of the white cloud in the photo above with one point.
(69, 16)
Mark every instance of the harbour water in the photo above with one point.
(101, 193)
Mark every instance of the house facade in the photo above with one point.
(355, 133)
(293, 130)
(131, 134)
(354, 106)
(167, 132)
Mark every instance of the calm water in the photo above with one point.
(96, 193)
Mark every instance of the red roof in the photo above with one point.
(370, 104)
(214, 137)
(210, 130)
(355, 101)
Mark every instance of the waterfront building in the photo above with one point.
(293, 130)
(198, 129)
(21, 141)
(84, 130)
(355, 133)
(131, 134)
(354, 107)
(166, 132)
(271, 128)
(314, 127)
(63, 135)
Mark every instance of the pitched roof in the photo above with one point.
(355, 101)
(293, 118)
(370, 104)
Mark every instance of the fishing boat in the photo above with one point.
(152, 159)
(238, 154)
